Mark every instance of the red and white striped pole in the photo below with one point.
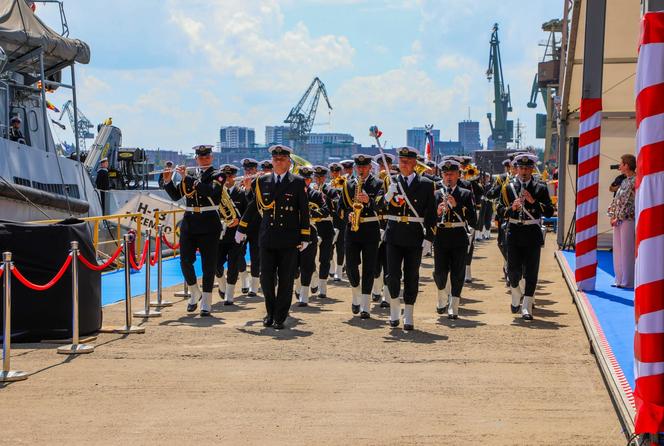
(590, 126)
(587, 193)
(649, 274)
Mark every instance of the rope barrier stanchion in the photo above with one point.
(128, 328)
(160, 303)
(7, 374)
(185, 291)
(146, 313)
(75, 348)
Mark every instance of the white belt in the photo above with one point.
(325, 219)
(449, 224)
(404, 219)
(369, 219)
(199, 209)
(524, 222)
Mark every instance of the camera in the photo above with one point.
(614, 166)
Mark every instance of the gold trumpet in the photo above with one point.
(339, 181)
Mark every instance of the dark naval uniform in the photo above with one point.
(404, 235)
(361, 245)
(307, 258)
(283, 207)
(325, 229)
(451, 244)
(230, 253)
(200, 228)
(524, 236)
(498, 193)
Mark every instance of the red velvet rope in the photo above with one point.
(173, 247)
(94, 266)
(2, 270)
(46, 286)
(157, 247)
(143, 257)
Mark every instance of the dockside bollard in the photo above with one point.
(146, 313)
(7, 374)
(160, 303)
(75, 348)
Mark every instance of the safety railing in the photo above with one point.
(171, 214)
(114, 234)
(149, 257)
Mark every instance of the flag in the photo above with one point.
(649, 273)
(52, 107)
(428, 148)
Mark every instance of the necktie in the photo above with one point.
(278, 180)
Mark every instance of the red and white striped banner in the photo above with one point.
(649, 274)
(587, 190)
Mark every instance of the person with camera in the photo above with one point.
(621, 213)
(615, 184)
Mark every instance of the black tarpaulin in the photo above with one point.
(39, 251)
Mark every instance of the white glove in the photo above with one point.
(392, 190)
(303, 246)
(239, 237)
(382, 235)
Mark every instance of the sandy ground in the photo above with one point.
(331, 378)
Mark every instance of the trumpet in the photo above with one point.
(174, 169)
(339, 181)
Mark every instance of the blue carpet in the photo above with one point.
(614, 308)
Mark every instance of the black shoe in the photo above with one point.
(302, 304)
(365, 315)
(191, 308)
(336, 279)
(408, 327)
(355, 308)
(441, 310)
(384, 304)
(375, 297)
(469, 280)
(514, 309)
(222, 294)
(228, 302)
(322, 296)
(251, 294)
(205, 313)
(314, 290)
(267, 321)
(244, 290)
(527, 317)
(278, 325)
(394, 324)
(452, 316)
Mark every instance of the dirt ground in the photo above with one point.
(330, 378)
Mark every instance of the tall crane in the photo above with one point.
(83, 125)
(502, 129)
(301, 117)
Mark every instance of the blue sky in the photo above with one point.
(171, 72)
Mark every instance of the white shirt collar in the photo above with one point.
(408, 178)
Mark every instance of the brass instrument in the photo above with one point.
(339, 181)
(472, 173)
(227, 208)
(421, 167)
(355, 215)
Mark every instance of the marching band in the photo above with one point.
(373, 219)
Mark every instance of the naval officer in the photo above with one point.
(282, 204)
(201, 224)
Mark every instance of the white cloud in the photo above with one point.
(248, 40)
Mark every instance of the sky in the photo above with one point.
(172, 72)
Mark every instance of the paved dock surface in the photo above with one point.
(331, 378)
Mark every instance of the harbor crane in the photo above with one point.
(83, 125)
(502, 129)
(301, 117)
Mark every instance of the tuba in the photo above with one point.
(355, 215)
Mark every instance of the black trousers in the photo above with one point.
(486, 214)
(381, 261)
(307, 263)
(207, 245)
(502, 238)
(325, 257)
(364, 253)
(449, 260)
(254, 254)
(232, 254)
(340, 246)
(523, 261)
(280, 264)
(408, 257)
(470, 251)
